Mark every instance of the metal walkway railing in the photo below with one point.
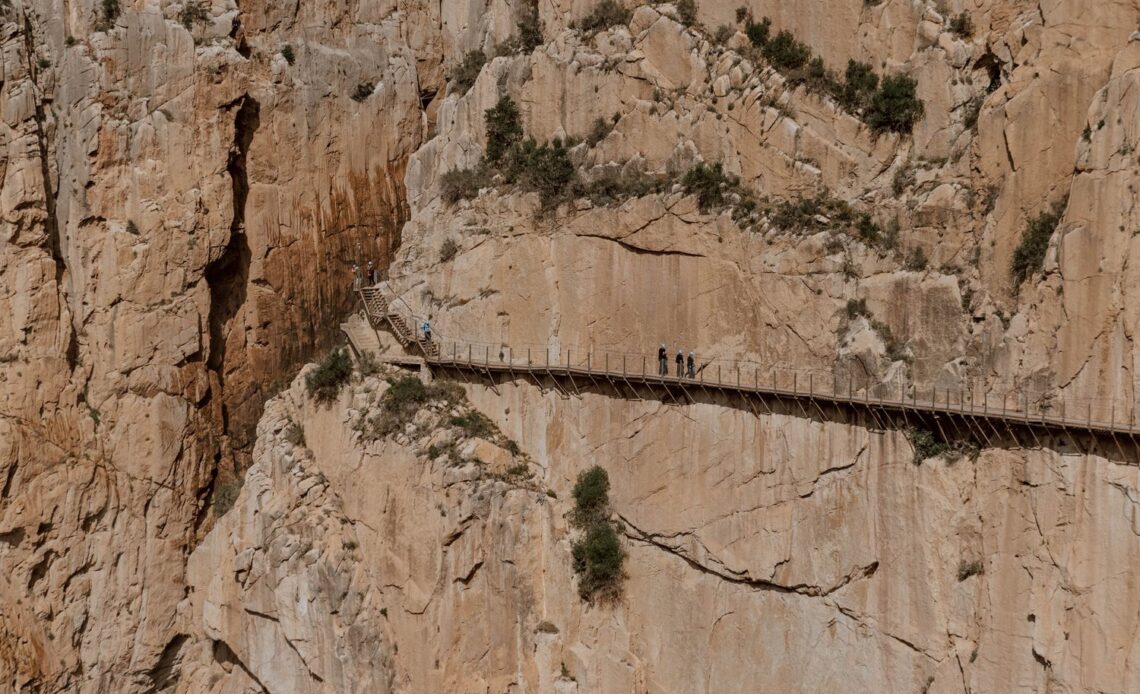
(1022, 408)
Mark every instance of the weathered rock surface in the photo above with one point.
(182, 199)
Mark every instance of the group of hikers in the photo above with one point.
(371, 275)
(686, 368)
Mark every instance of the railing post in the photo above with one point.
(567, 357)
(623, 365)
(1090, 415)
(795, 383)
(487, 355)
(643, 366)
(587, 362)
(738, 376)
(469, 354)
(718, 381)
(811, 385)
(528, 361)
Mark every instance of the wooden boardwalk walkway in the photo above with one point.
(987, 420)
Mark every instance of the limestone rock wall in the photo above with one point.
(183, 193)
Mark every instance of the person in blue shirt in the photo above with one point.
(427, 331)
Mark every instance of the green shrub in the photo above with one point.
(598, 558)
(856, 308)
(709, 184)
(784, 52)
(367, 364)
(111, 10)
(474, 423)
(363, 91)
(463, 184)
(324, 382)
(295, 434)
(962, 25)
(132, 228)
(193, 12)
(742, 13)
(504, 129)
(868, 230)
(468, 71)
(915, 260)
(966, 569)
(895, 107)
(287, 54)
(687, 11)
(530, 28)
(813, 214)
(926, 445)
(546, 169)
(759, 33)
(591, 496)
(723, 33)
(606, 14)
(599, 132)
(1029, 256)
(859, 86)
(447, 250)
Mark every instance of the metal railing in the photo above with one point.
(1039, 407)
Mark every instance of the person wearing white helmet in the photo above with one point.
(662, 361)
(692, 364)
(680, 362)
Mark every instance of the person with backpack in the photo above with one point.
(662, 361)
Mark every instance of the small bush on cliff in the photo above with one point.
(926, 445)
(468, 71)
(687, 11)
(895, 107)
(111, 10)
(545, 168)
(966, 569)
(288, 54)
(607, 13)
(193, 12)
(324, 382)
(463, 184)
(785, 52)
(716, 189)
(447, 250)
(404, 397)
(363, 91)
(474, 423)
(504, 129)
(597, 553)
(598, 558)
(962, 25)
(1029, 256)
(591, 495)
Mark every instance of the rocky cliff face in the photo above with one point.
(186, 185)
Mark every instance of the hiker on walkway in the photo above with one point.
(371, 276)
(355, 277)
(692, 364)
(662, 361)
(680, 362)
(427, 331)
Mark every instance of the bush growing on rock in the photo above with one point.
(193, 12)
(591, 495)
(363, 91)
(606, 14)
(597, 554)
(448, 250)
(598, 559)
(111, 10)
(895, 107)
(504, 129)
(324, 382)
(1029, 256)
(784, 52)
(463, 184)
(468, 71)
(687, 11)
(287, 54)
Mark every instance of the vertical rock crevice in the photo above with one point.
(228, 275)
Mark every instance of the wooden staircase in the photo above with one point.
(380, 313)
